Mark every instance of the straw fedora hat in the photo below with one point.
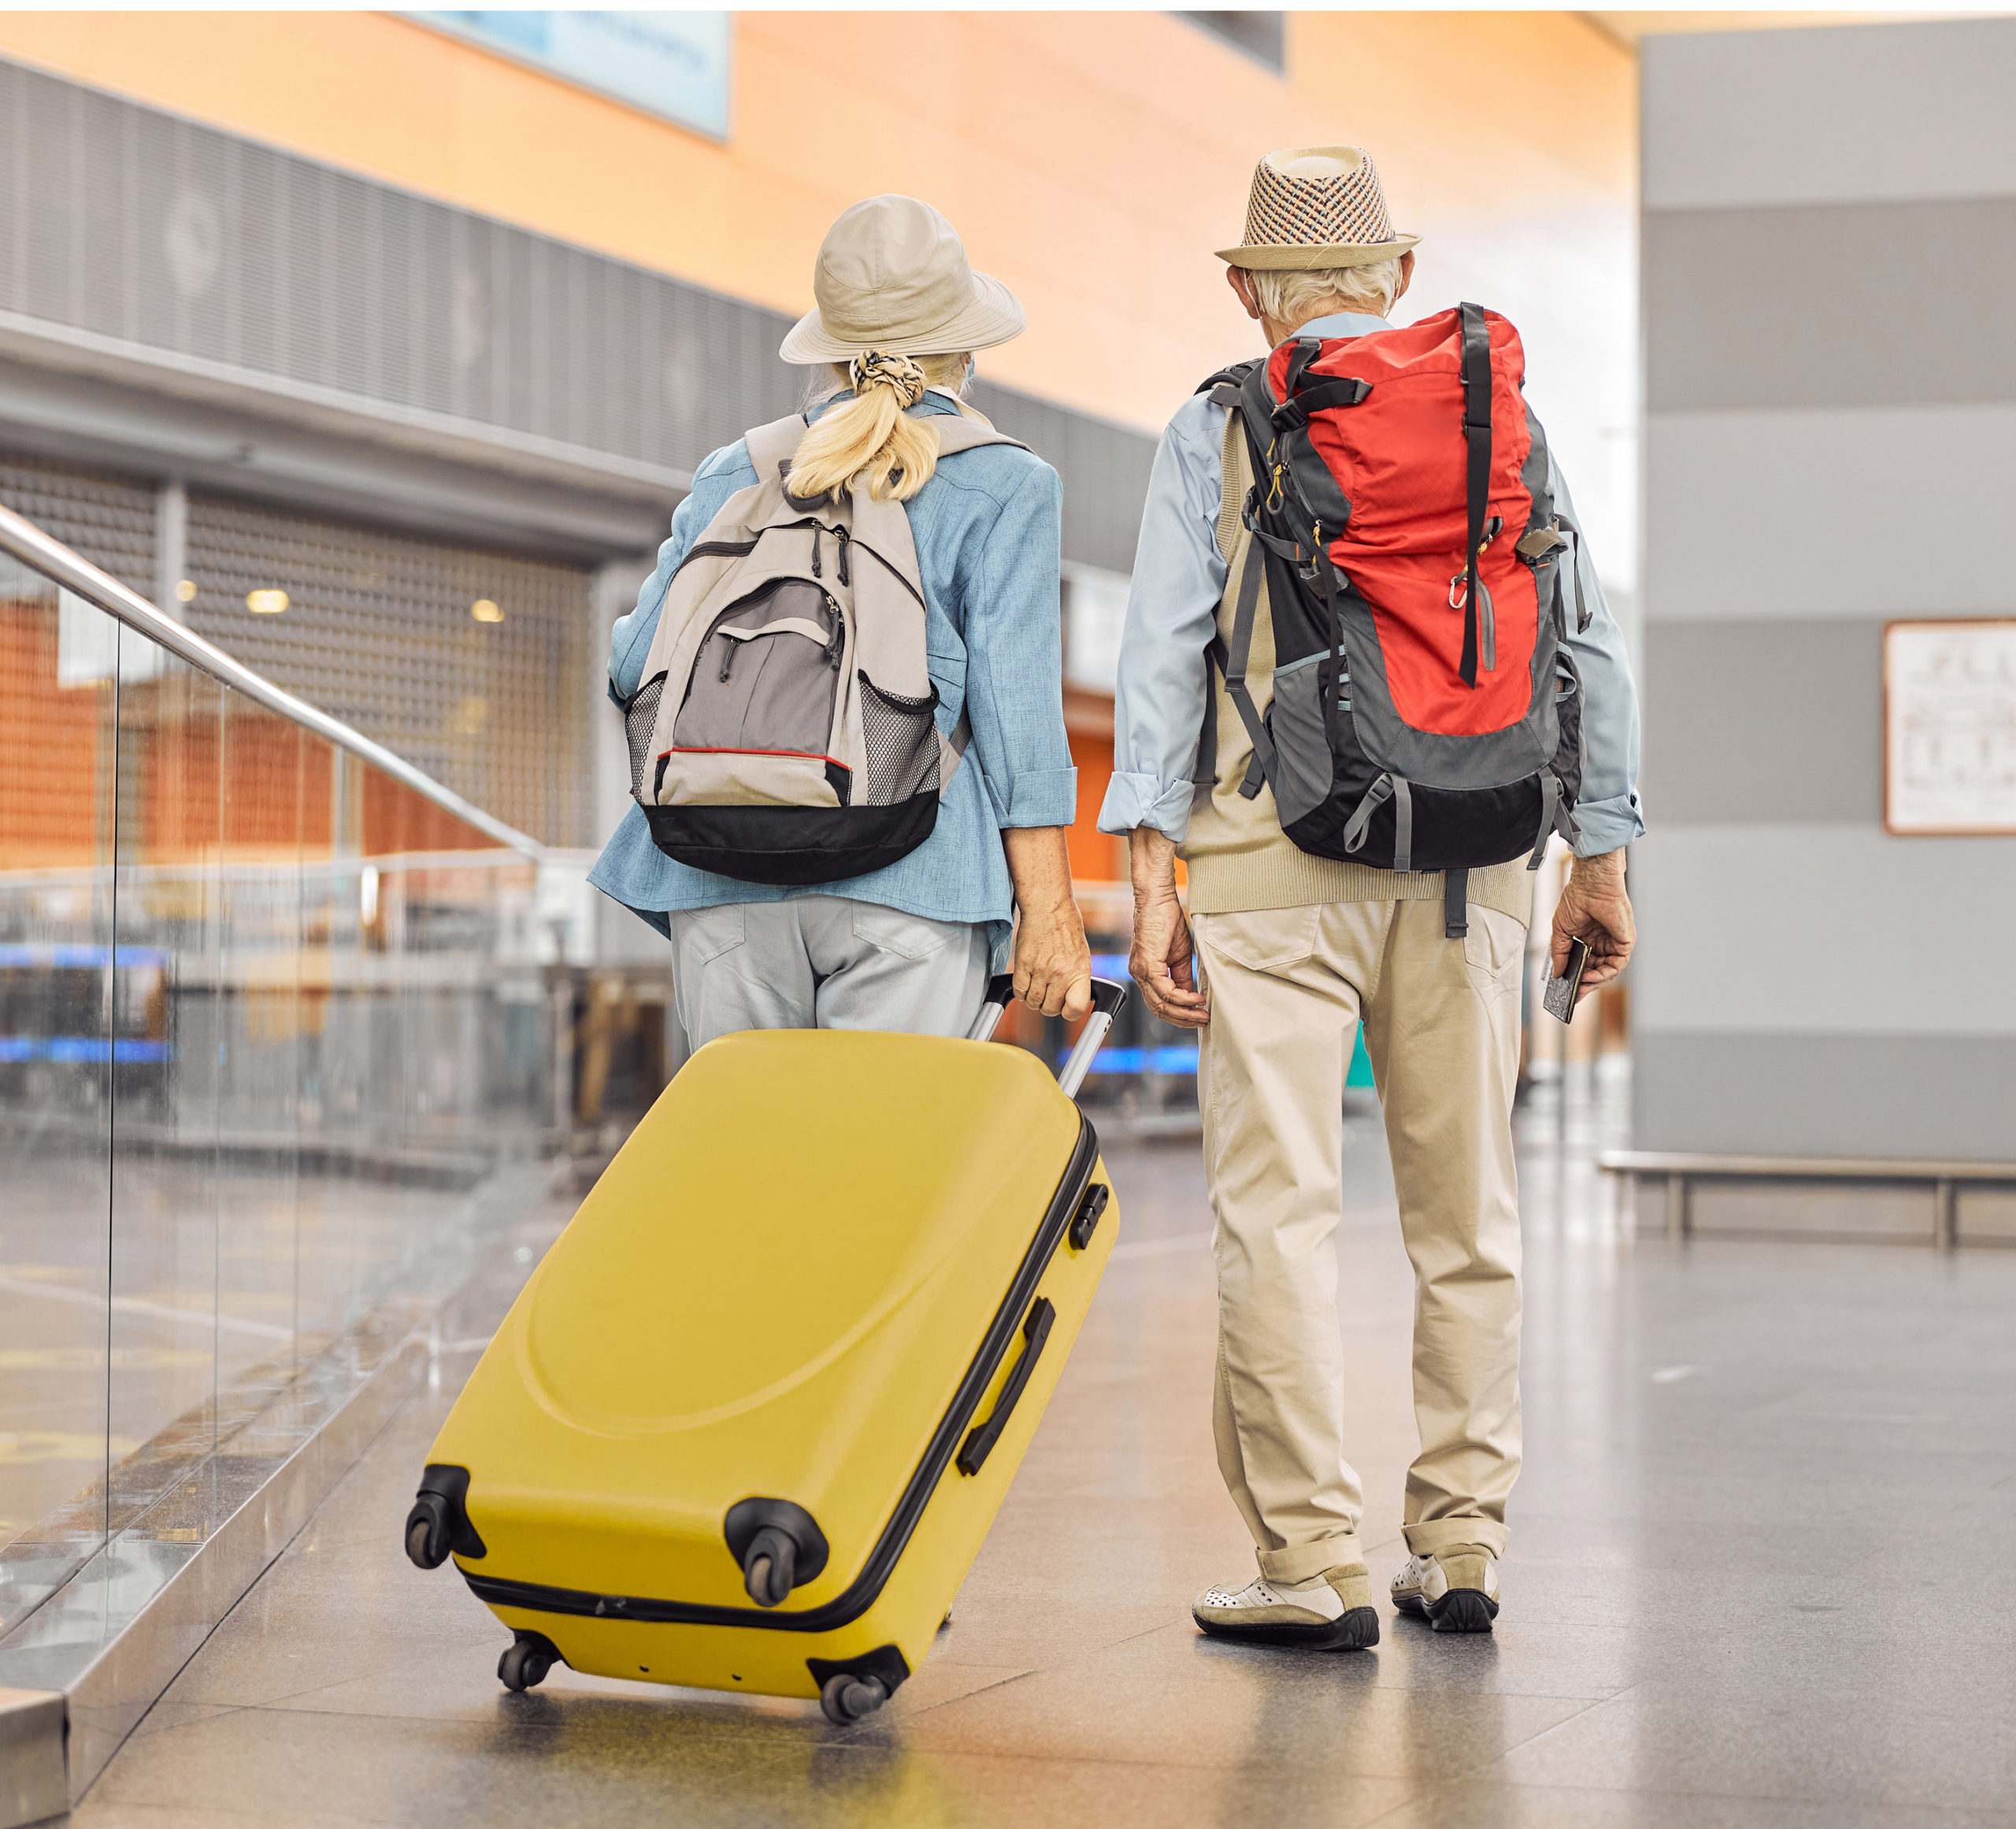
(1317, 206)
(892, 275)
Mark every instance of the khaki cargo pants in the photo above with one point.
(1441, 1020)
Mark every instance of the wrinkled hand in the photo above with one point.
(1053, 963)
(1161, 960)
(1594, 908)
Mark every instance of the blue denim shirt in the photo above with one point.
(986, 527)
(1172, 614)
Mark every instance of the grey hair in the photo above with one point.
(1294, 297)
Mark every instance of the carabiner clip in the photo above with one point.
(1459, 592)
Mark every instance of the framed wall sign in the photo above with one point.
(674, 64)
(1949, 726)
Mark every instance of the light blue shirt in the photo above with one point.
(986, 527)
(1172, 614)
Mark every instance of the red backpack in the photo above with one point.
(1426, 712)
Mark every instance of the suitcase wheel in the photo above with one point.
(439, 1523)
(847, 1699)
(525, 1662)
(427, 1531)
(778, 1544)
(770, 1572)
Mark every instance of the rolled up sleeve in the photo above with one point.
(1172, 614)
(1606, 813)
(1015, 660)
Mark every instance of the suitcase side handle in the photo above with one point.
(1036, 1334)
(1108, 998)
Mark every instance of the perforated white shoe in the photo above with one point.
(1331, 1612)
(1455, 1589)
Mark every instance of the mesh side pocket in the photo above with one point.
(640, 717)
(901, 738)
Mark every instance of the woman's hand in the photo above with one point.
(1053, 964)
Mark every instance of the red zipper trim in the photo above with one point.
(807, 755)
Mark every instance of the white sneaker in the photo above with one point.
(1331, 1612)
(1455, 1589)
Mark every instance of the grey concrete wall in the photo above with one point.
(1830, 299)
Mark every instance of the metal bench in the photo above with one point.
(1680, 1170)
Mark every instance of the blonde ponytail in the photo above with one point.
(871, 440)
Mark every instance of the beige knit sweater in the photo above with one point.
(1238, 857)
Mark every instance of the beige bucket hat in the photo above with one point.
(1317, 206)
(892, 275)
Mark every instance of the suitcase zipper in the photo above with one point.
(860, 1594)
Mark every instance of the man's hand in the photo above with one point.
(1161, 961)
(1594, 907)
(1053, 964)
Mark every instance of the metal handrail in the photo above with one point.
(33, 547)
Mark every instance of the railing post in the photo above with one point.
(1946, 1212)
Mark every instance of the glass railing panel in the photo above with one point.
(460, 1035)
(337, 1199)
(277, 1059)
(65, 1008)
(259, 1006)
(169, 1111)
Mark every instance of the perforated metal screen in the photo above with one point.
(108, 518)
(377, 631)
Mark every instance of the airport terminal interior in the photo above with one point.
(351, 366)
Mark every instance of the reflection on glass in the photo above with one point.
(67, 1001)
(273, 1038)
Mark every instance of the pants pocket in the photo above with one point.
(1493, 950)
(1264, 940)
(909, 936)
(701, 935)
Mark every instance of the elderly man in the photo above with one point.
(1295, 936)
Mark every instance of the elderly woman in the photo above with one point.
(910, 946)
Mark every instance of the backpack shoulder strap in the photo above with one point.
(967, 431)
(1232, 376)
(1230, 658)
(1234, 482)
(771, 446)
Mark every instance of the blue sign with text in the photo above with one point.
(672, 64)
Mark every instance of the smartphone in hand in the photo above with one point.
(1557, 994)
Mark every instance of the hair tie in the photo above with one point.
(875, 369)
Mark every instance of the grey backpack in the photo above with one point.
(785, 730)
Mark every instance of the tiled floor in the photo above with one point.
(1761, 1579)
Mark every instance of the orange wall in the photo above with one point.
(1091, 160)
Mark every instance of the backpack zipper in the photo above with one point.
(715, 549)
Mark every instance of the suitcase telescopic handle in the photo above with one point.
(1108, 997)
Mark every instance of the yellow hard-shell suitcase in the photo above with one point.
(748, 1423)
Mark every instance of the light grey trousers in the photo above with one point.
(821, 962)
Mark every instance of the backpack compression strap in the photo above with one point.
(1476, 432)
